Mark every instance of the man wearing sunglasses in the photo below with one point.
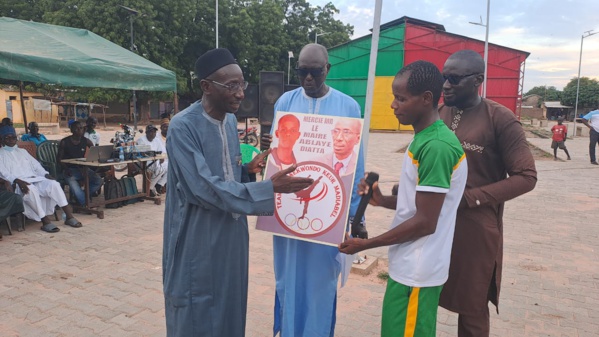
(206, 238)
(496, 148)
(307, 273)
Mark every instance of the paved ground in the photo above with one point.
(104, 279)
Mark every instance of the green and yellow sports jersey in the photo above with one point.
(434, 162)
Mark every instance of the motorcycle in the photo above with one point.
(123, 138)
(248, 135)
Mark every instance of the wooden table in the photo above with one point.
(91, 206)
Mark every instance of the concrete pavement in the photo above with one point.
(104, 279)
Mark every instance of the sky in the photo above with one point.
(550, 30)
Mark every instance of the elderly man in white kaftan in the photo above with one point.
(40, 194)
(307, 273)
(157, 169)
(206, 238)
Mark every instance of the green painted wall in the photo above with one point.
(349, 62)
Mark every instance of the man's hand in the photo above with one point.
(265, 140)
(363, 188)
(48, 176)
(258, 163)
(352, 245)
(282, 183)
(23, 185)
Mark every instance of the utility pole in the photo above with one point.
(132, 12)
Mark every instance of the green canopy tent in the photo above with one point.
(44, 53)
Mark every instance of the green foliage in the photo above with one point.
(173, 34)
(548, 94)
(588, 96)
(383, 275)
(21, 9)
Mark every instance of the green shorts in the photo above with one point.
(409, 311)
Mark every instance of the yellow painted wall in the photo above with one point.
(382, 117)
(32, 116)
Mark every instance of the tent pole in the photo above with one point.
(23, 106)
(134, 111)
(104, 114)
(175, 103)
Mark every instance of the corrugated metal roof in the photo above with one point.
(556, 104)
(406, 19)
(435, 26)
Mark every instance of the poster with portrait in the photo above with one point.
(326, 149)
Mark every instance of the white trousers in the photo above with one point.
(157, 173)
(42, 198)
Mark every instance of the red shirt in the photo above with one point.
(559, 132)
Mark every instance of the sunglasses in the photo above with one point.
(456, 79)
(315, 72)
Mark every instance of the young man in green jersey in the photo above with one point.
(431, 184)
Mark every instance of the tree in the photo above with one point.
(337, 32)
(588, 96)
(173, 34)
(160, 32)
(303, 21)
(546, 93)
(22, 9)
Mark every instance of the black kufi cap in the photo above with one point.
(212, 61)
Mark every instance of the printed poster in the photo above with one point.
(326, 149)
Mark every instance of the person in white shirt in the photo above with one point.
(90, 130)
(431, 184)
(157, 169)
(591, 120)
(40, 192)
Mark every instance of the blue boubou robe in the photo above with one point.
(205, 255)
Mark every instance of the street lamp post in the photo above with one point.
(316, 35)
(585, 34)
(132, 12)
(216, 23)
(290, 54)
(486, 44)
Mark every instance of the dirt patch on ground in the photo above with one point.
(403, 149)
(379, 274)
(539, 154)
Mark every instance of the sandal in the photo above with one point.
(50, 228)
(73, 222)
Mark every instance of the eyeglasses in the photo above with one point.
(315, 72)
(344, 132)
(456, 79)
(233, 87)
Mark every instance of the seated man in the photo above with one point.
(10, 203)
(40, 193)
(157, 169)
(75, 146)
(6, 121)
(164, 123)
(90, 130)
(34, 134)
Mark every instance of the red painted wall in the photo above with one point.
(503, 72)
